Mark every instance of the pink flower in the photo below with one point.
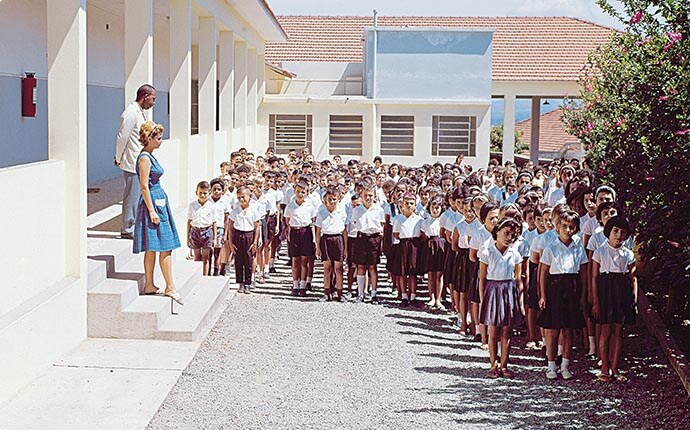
(649, 178)
(589, 127)
(674, 37)
(673, 244)
(637, 17)
(663, 98)
(619, 123)
(682, 132)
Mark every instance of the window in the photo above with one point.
(286, 132)
(345, 137)
(453, 135)
(397, 135)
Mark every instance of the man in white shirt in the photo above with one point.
(127, 149)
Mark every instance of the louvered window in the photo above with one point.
(397, 135)
(453, 135)
(286, 132)
(345, 136)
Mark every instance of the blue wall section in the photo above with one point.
(105, 105)
(428, 64)
(22, 140)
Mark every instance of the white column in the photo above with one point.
(508, 127)
(181, 84)
(374, 144)
(240, 93)
(207, 76)
(138, 48)
(261, 70)
(207, 86)
(66, 29)
(226, 76)
(252, 105)
(534, 141)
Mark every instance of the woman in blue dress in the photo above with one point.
(154, 230)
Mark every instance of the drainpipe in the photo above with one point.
(373, 56)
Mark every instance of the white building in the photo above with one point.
(416, 89)
(89, 58)
(422, 92)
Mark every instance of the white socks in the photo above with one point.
(360, 285)
(295, 285)
(302, 285)
(552, 365)
(564, 363)
(592, 345)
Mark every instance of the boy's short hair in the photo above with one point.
(242, 169)
(302, 184)
(218, 181)
(203, 185)
(619, 221)
(330, 191)
(224, 164)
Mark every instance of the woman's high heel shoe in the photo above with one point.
(176, 296)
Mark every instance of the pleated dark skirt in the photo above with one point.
(501, 304)
(462, 273)
(616, 301)
(563, 310)
(301, 242)
(473, 284)
(449, 268)
(432, 254)
(404, 257)
(532, 291)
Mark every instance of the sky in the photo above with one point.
(584, 9)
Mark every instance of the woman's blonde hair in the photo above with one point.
(148, 130)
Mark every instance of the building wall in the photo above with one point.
(426, 64)
(322, 109)
(321, 79)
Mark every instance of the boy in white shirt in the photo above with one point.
(201, 225)
(368, 223)
(331, 243)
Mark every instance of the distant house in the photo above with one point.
(554, 141)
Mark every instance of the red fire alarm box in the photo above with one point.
(29, 95)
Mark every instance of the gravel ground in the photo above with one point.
(274, 361)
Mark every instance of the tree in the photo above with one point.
(496, 138)
(635, 125)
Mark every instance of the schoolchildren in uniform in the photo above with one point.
(331, 243)
(534, 336)
(243, 235)
(615, 291)
(368, 220)
(464, 272)
(299, 215)
(407, 231)
(432, 251)
(201, 225)
(449, 219)
(500, 289)
(355, 200)
(222, 212)
(562, 277)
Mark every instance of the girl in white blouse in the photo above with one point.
(614, 294)
(562, 275)
(432, 250)
(500, 288)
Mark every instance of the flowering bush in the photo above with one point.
(634, 122)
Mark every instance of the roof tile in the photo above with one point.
(524, 48)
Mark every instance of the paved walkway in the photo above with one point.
(274, 361)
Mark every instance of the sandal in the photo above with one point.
(620, 378)
(603, 377)
(176, 296)
(158, 292)
(493, 373)
(506, 373)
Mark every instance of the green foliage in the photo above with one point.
(496, 137)
(635, 125)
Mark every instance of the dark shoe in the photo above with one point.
(272, 270)
(308, 287)
(302, 293)
(376, 300)
(126, 235)
(294, 292)
(216, 271)
(404, 303)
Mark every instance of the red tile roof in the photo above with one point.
(552, 135)
(524, 48)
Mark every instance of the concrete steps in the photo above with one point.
(117, 308)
